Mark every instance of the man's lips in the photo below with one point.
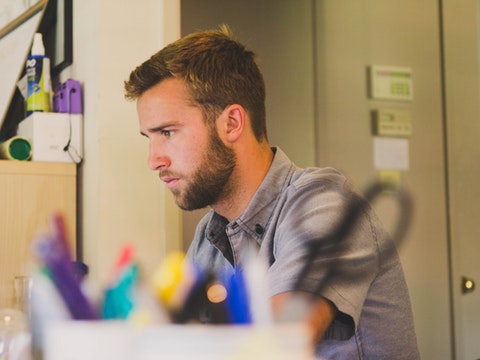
(170, 181)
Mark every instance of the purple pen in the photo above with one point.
(57, 259)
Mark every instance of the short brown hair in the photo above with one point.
(218, 71)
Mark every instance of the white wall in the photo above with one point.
(121, 199)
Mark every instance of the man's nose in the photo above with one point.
(157, 159)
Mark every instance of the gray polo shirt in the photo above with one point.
(362, 277)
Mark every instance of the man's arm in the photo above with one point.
(318, 317)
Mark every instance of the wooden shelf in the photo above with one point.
(31, 192)
(37, 168)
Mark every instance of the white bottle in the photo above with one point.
(39, 85)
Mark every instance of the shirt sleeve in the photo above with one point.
(339, 269)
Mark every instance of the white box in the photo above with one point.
(116, 340)
(55, 137)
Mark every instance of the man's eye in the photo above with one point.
(167, 133)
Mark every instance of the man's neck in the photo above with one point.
(252, 167)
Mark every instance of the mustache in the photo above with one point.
(167, 173)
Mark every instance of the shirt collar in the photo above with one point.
(255, 219)
(257, 215)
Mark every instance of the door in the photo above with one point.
(462, 100)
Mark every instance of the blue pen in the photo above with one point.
(238, 302)
(119, 299)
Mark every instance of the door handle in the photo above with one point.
(468, 285)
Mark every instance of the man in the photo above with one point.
(201, 104)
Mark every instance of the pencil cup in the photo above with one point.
(109, 340)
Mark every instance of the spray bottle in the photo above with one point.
(38, 78)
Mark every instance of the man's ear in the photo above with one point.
(234, 118)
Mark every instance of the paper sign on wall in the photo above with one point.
(390, 153)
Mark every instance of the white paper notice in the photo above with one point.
(390, 153)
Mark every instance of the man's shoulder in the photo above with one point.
(327, 178)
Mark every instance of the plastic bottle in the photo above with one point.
(39, 86)
(16, 148)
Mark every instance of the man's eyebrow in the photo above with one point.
(156, 129)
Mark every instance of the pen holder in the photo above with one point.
(112, 340)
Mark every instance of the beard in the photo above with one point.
(210, 181)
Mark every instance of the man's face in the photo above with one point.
(190, 157)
